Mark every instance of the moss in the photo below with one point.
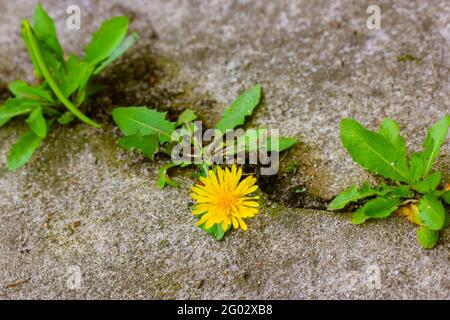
(408, 57)
(167, 285)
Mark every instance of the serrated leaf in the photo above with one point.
(432, 212)
(433, 143)
(373, 151)
(389, 129)
(148, 145)
(163, 177)
(16, 107)
(241, 107)
(22, 102)
(252, 140)
(45, 31)
(187, 115)
(143, 121)
(428, 184)
(427, 238)
(76, 76)
(106, 39)
(120, 50)
(22, 150)
(21, 89)
(352, 194)
(37, 123)
(377, 208)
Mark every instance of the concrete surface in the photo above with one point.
(85, 220)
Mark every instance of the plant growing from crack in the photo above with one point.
(149, 132)
(413, 188)
(64, 84)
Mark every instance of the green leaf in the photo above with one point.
(106, 39)
(401, 192)
(359, 217)
(148, 145)
(143, 121)
(252, 140)
(45, 31)
(53, 65)
(21, 89)
(3, 120)
(26, 40)
(241, 107)
(280, 143)
(36, 52)
(163, 177)
(50, 111)
(215, 230)
(352, 194)
(432, 212)
(429, 184)
(22, 150)
(373, 151)
(417, 166)
(120, 50)
(427, 238)
(433, 142)
(446, 197)
(16, 107)
(76, 76)
(49, 47)
(66, 118)
(16, 103)
(447, 220)
(187, 115)
(389, 129)
(377, 208)
(37, 123)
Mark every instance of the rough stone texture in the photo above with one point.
(83, 205)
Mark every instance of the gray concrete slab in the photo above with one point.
(85, 220)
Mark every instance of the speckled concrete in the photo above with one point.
(85, 220)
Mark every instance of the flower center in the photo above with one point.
(227, 201)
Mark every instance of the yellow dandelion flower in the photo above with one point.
(222, 199)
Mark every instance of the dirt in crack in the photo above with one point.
(280, 189)
(145, 77)
(299, 182)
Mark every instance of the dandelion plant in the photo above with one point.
(149, 131)
(222, 199)
(64, 81)
(411, 187)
